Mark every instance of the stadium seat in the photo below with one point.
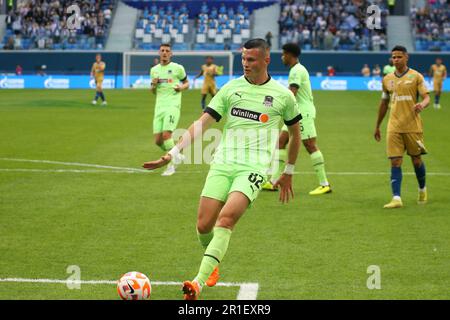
(201, 38)
(237, 39)
(139, 33)
(147, 38)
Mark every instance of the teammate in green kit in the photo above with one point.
(168, 80)
(252, 107)
(300, 86)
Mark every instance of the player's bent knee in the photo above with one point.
(417, 161)
(203, 228)
(226, 222)
(396, 162)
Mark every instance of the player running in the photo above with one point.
(209, 71)
(300, 86)
(98, 73)
(169, 79)
(252, 105)
(405, 129)
(439, 72)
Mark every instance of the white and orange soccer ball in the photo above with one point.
(134, 286)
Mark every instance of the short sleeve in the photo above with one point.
(218, 106)
(421, 86)
(295, 79)
(291, 114)
(385, 94)
(181, 73)
(152, 73)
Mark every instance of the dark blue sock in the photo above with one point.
(203, 103)
(102, 96)
(396, 180)
(436, 99)
(420, 174)
(96, 95)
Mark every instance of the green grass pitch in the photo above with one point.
(109, 222)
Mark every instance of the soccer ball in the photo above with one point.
(134, 286)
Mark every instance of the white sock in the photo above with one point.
(397, 198)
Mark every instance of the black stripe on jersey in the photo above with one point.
(213, 113)
(294, 85)
(208, 255)
(293, 121)
(268, 79)
(183, 79)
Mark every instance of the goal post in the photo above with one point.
(137, 65)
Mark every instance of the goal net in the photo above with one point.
(137, 65)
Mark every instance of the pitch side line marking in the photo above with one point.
(136, 171)
(74, 164)
(247, 291)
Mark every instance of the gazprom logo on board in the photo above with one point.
(329, 84)
(7, 83)
(108, 83)
(374, 85)
(59, 83)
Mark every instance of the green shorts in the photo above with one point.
(224, 179)
(307, 128)
(166, 120)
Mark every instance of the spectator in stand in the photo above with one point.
(19, 70)
(376, 71)
(269, 37)
(330, 71)
(365, 71)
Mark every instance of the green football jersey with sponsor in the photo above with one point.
(252, 114)
(169, 76)
(299, 77)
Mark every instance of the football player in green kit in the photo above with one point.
(168, 81)
(251, 105)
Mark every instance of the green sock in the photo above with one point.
(278, 165)
(168, 144)
(205, 238)
(319, 166)
(214, 254)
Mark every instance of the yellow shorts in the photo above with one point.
(437, 85)
(209, 88)
(412, 142)
(99, 81)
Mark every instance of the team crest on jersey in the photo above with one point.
(268, 101)
(169, 71)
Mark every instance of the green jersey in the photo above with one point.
(253, 113)
(388, 69)
(299, 78)
(169, 77)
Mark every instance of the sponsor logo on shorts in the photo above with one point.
(251, 115)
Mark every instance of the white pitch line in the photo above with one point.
(135, 171)
(78, 164)
(69, 171)
(247, 291)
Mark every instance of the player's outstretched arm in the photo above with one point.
(195, 130)
(381, 114)
(285, 181)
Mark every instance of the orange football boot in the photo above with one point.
(213, 278)
(191, 290)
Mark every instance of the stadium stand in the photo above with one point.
(431, 25)
(331, 25)
(42, 24)
(212, 28)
